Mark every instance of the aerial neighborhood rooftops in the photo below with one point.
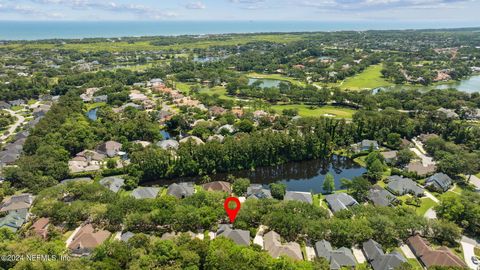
(17, 202)
(256, 191)
(114, 183)
(401, 186)
(338, 258)
(305, 197)
(340, 201)
(145, 192)
(110, 148)
(421, 170)
(378, 259)
(218, 186)
(380, 196)
(181, 190)
(439, 181)
(366, 145)
(275, 248)
(430, 257)
(240, 237)
(86, 239)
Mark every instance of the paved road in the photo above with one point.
(407, 251)
(426, 160)
(430, 195)
(11, 130)
(468, 245)
(475, 181)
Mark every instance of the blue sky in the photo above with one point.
(320, 10)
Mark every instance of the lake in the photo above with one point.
(92, 114)
(266, 83)
(468, 85)
(297, 176)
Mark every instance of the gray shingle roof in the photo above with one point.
(380, 196)
(181, 190)
(402, 186)
(378, 259)
(126, 236)
(367, 144)
(114, 183)
(240, 237)
(14, 219)
(340, 201)
(298, 196)
(145, 192)
(256, 191)
(440, 181)
(168, 144)
(72, 180)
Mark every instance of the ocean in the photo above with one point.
(33, 30)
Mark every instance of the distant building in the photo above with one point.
(439, 181)
(181, 190)
(274, 246)
(218, 186)
(305, 197)
(340, 201)
(145, 192)
(114, 183)
(168, 144)
(418, 168)
(110, 148)
(378, 259)
(40, 227)
(390, 156)
(240, 237)
(256, 191)
(366, 145)
(338, 258)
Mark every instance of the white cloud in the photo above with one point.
(195, 5)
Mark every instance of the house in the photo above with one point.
(418, 168)
(338, 258)
(86, 161)
(181, 190)
(390, 156)
(218, 186)
(193, 139)
(17, 102)
(226, 129)
(240, 237)
(14, 219)
(401, 186)
(273, 245)
(448, 113)
(256, 191)
(102, 98)
(366, 145)
(110, 148)
(136, 95)
(216, 137)
(439, 181)
(380, 196)
(86, 239)
(126, 236)
(77, 180)
(4, 105)
(113, 183)
(216, 111)
(17, 203)
(168, 144)
(430, 257)
(305, 197)
(40, 227)
(378, 259)
(145, 192)
(340, 201)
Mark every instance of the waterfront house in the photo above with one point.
(114, 183)
(305, 197)
(145, 192)
(340, 201)
(256, 191)
(399, 185)
(218, 186)
(181, 190)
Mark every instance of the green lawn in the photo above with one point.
(426, 204)
(16, 108)
(219, 90)
(361, 161)
(91, 106)
(370, 78)
(306, 111)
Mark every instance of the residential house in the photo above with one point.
(4, 105)
(77, 180)
(218, 186)
(110, 148)
(136, 95)
(429, 257)
(226, 129)
(380, 196)
(181, 190)
(145, 192)
(40, 227)
(401, 186)
(14, 219)
(124, 237)
(439, 181)
(390, 156)
(102, 98)
(448, 113)
(168, 144)
(216, 137)
(421, 170)
(17, 203)
(378, 259)
(340, 201)
(216, 111)
(338, 258)
(193, 139)
(274, 246)
(114, 183)
(366, 145)
(17, 102)
(86, 161)
(86, 239)
(87, 96)
(256, 191)
(240, 237)
(305, 197)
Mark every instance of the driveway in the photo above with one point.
(426, 160)
(430, 195)
(258, 240)
(474, 180)
(310, 253)
(468, 245)
(358, 255)
(12, 128)
(407, 251)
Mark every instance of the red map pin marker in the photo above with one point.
(232, 213)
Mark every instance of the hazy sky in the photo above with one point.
(321, 10)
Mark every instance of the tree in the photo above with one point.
(376, 170)
(329, 183)
(240, 186)
(445, 232)
(404, 157)
(394, 140)
(358, 187)
(278, 190)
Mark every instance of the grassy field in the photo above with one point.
(370, 78)
(306, 111)
(426, 204)
(145, 45)
(275, 77)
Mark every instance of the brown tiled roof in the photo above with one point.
(429, 257)
(88, 238)
(218, 186)
(40, 227)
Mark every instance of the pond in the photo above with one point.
(266, 83)
(92, 114)
(297, 176)
(468, 85)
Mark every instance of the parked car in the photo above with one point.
(475, 260)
